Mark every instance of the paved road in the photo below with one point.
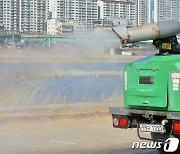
(57, 135)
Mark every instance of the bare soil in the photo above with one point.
(48, 56)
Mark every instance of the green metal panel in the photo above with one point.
(10, 38)
(163, 94)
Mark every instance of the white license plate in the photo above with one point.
(152, 128)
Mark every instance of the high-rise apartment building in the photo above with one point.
(118, 9)
(1, 12)
(151, 10)
(158, 10)
(51, 9)
(32, 16)
(145, 11)
(68, 10)
(9, 14)
(25, 16)
(167, 10)
(14, 16)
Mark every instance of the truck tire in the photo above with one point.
(157, 136)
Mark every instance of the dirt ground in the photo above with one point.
(48, 56)
(64, 130)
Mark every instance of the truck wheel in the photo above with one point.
(161, 151)
(161, 138)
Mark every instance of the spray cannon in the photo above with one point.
(162, 33)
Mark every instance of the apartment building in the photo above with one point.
(51, 9)
(23, 16)
(118, 9)
(78, 10)
(1, 12)
(167, 10)
(32, 16)
(145, 8)
(158, 10)
(9, 14)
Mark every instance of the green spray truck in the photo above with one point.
(152, 84)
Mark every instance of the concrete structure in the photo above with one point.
(77, 25)
(52, 27)
(109, 22)
(118, 9)
(56, 27)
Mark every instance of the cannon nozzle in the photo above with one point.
(150, 31)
